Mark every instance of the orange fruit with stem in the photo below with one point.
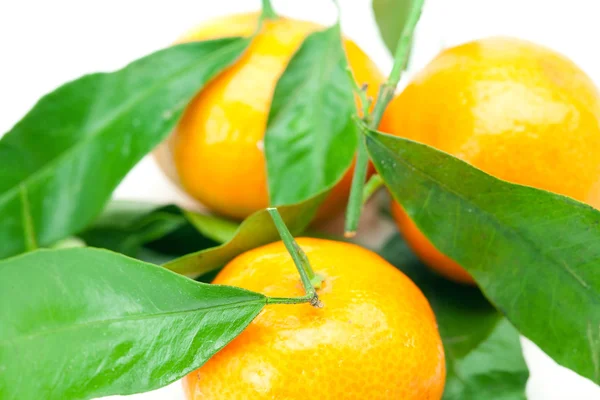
(216, 151)
(514, 109)
(375, 336)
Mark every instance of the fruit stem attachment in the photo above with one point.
(309, 279)
(267, 10)
(385, 95)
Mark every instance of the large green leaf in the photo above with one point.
(484, 359)
(535, 254)
(82, 323)
(391, 16)
(61, 162)
(254, 231)
(311, 139)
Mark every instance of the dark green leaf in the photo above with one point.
(256, 230)
(82, 323)
(311, 139)
(61, 162)
(130, 227)
(535, 254)
(484, 359)
(126, 233)
(391, 16)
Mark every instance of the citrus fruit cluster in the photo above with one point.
(509, 107)
(216, 153)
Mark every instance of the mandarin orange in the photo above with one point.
(374, 338)
(216, 152)
(514, 109)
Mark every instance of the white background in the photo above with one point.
(45, 43)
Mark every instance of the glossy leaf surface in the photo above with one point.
(83, 323)
(535, 254)
(254, 231)
(311, 138)
(61, 162)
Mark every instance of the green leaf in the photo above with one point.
(535, 254)
(68, 243)
(495, 369)
(256, 230)
(219, 229)
(131, 227)
(82, 323)
(311, 138)
(61, 162)
(484, 358)
(126, 230)
(391, 16)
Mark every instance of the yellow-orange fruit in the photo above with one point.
(514, 109)
(375, 338)
(216, 152)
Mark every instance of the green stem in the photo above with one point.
(400, 60)
(267, 10)
(374, 183)
(355, 201)
(307, 276)
(313, 300)
(404, 43)
(361, 92)
(386, 93)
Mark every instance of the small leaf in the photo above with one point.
(61, 162)
(391, 16)
(254, 231)
(484, 358)
(311, 138)
(83, 323)
(535, 254)
(68, 243)
(495, 369)
(219, 229)
(127, 227)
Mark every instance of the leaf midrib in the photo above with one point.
(87, 324)
(499, 225)
(328, 66)
(297, 94)
(101, 126)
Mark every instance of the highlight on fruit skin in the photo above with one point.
(216, 152)
(512, 108)
(375, 337)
